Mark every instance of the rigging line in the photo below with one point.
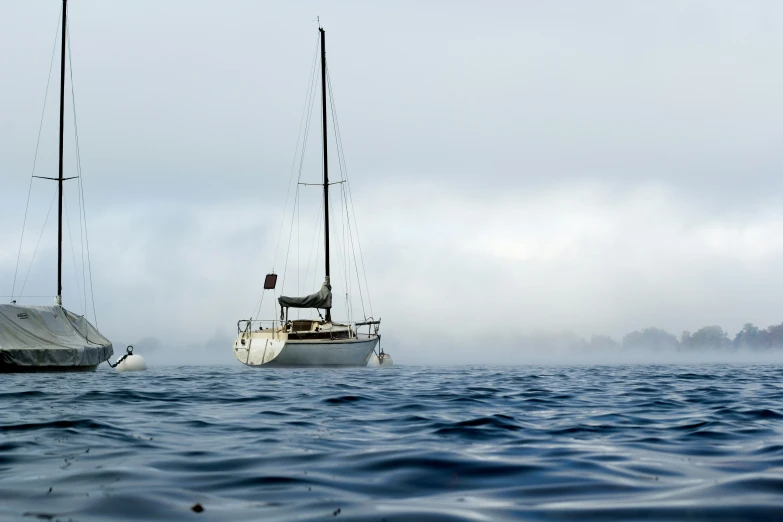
(82, 233)
(350, 193)
(81, 186)
(312, 245)
(358, 242)
(257, 308)
(306, 135)
(73, 255)
(343, 211)
(341, 164)
(305, 112)
(338, 140)
(35, 156)
(39, 241)
(346, 266)
(345, 233)
(324, 203)
(344, 171)
(82, 222)
(358, 281)
(353, 250)
(296, 197)
(299, 178)
(321, 184)
(340, 262)
(29, 296)
(318, 236)
(288, 250)
(298, 250)
(342, 257)
(261, 302)
(304, 124)
(337, 240)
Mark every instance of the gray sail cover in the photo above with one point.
(320, 299)
(36, 336)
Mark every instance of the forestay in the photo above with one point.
(38, 336)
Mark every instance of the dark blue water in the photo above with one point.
(407, 443)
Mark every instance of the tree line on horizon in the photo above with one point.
(710, 337)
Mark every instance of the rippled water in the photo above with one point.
(412, 443)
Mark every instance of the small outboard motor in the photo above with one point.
(381, 360)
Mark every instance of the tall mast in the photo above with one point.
(326, 162)
(60, 177)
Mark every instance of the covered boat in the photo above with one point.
(50, 338)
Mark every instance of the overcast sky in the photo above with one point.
(596, 167)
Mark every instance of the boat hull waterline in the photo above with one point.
(15, 368)
(260, 352)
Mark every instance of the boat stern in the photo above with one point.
(257, 350)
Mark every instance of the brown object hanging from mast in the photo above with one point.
(270, 281)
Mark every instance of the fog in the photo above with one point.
(516, 168)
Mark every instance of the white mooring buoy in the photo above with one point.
(131, 362)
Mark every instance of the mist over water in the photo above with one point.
(617, 442)
(647, 346)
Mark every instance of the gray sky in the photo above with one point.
(516, 166)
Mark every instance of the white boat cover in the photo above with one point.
(36, 336)
(320, 299)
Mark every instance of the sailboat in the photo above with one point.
(50, 338)
(310, 342)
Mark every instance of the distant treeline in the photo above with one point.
(709, 337)
(653, 339)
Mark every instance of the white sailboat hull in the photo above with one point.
(287, 353)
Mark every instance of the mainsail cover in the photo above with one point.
(320, 299)
(35, 336)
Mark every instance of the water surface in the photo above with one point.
(406, 443)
